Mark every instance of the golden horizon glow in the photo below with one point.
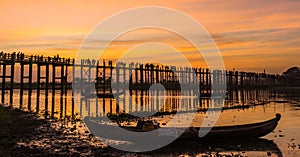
(251, 35)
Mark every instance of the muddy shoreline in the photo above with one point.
(27, 134)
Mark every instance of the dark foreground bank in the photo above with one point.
(26, 134)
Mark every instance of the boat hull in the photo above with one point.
(237, 132)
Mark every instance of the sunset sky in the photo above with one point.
(251, 35)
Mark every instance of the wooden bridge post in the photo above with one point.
(236, 79)
(141, 75)
(130, 73)
(81, 86)
(110, 89)
(110, 75)
(146, 70)
(12, 73)
(118, 84)
(190, 75)
(136, 74)
(104, 84)
(3, 82)
(47, 89)
(214, 80)
(242, 77)
(97, 86)
(62, 76)
(157, 73)
(152, 73)
(208, 82)
(73, 84)
(124, 75)
(199, 79)
(53, 88)
(38, 86)
(30, 83)
(21, 84)
(124, 84)
(98, 75)
(230, 80)
(65, 88)
(205, 79)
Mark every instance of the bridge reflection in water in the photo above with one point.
(170, 101)
(140, 101)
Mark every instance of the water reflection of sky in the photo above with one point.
(259, 106)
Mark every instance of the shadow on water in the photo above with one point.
(289, 94)
(255, 147)
(229, 148)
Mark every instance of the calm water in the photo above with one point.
(240, 107)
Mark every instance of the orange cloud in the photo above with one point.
(249, 33)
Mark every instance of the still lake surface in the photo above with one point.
(240, 107)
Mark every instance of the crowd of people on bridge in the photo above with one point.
(34, 58)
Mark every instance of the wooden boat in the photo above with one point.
(245, 131)
(236, 132)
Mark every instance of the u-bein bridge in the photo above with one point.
(51, 74)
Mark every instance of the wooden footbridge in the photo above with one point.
(51, 74)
